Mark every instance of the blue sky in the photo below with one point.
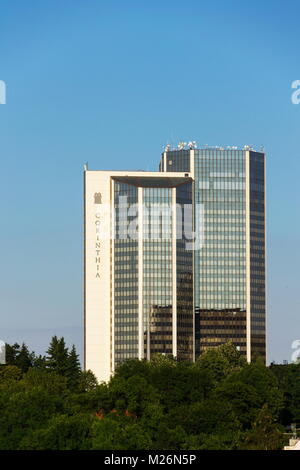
(110, 82)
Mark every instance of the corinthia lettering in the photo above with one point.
(97, 200)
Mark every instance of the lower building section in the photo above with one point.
(158, 336)
(216, 327)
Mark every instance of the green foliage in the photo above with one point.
(288, 377)
(73, 372)
(133, 394)
(39, 362)
(220, 362)
(114, 433)
(169, 438)
(87, 381)
(207, 416)
(19, 356)
(248, 390)
(63, 362)
(265, 434)
(220, 402)
(47, 380)
(132, 367)
(243, 398)
(62, 433)
(23, 411)
(224, 441)
(57, 356)
(179, 384)
(9, 375)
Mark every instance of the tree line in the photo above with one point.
(219, 402)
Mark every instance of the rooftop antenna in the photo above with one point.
(192, 144)
(86, 166)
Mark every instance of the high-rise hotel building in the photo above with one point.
(138, 267)
(229, 267)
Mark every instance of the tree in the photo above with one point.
(24, 359)
(23, 411)
(169, 438)
(265, 434)
(163, 359)
(205, 417)
(9, 375)
(288, 376)
(11, 353)
(58, 358)
(73, 369)
(119, 433)
(19, 356)
(61, 433)
(248, 390)
(221, 361)
(220, 402)
(132, 395)
(39, 362)
(243, 397)
(179, 382)
(228, 440)
(48, 380)
(87, 381)
(132, 367)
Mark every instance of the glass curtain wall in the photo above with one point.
(157, 271)
(125, 275)
(184, 275)
(257, 253)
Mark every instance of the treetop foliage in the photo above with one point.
(218, 402)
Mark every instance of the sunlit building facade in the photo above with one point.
(138, 277)
(229, 267)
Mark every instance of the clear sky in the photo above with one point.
(110, 82)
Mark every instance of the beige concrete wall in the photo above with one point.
(97, 277)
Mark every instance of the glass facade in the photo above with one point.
(257, 253)
(179, 161)
(125, 276)
(157, 271)
(220, 266)
(164, 277)
(220, 280)
(184, 278)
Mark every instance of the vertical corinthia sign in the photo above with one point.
(98, 202)
(97, 274)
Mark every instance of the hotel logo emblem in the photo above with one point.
(98, 198)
